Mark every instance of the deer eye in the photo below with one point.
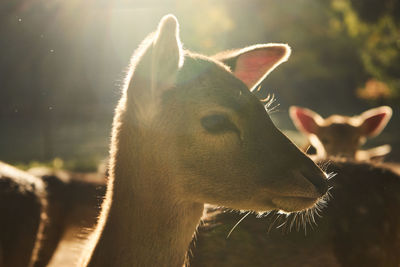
(218, 123)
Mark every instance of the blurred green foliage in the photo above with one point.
(375, 27)
(74, 165)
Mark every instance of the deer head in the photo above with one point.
(340, 135)
(207, 138)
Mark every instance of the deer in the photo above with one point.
(23, 219)
(187, 131)
(38, 209)
(358, 227)
(74, 201)
(339, 135)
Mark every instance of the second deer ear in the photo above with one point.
(375, 120)
(252, 64)
(305, 120)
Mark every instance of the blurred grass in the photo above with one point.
(73, 145)
(74, 165)
(79, 140)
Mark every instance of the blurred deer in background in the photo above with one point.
(340, 135)
(23, 217)
(36, 210)
(74, 201)
(188, 131)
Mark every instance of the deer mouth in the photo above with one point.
(298, 193)
(293, 204)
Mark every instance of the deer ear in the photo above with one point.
(375, 120)
(252, 64)
(305, 120)
(155, 64)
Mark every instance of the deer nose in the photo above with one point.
(317, 177)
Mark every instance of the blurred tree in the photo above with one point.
(375, 27)
(374, 90)
(324, 69)
(206, 24)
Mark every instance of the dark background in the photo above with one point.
(62, 63)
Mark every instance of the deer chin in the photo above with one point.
(293, 204)
(297, 195)
(288, 202)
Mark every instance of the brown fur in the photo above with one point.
(187, 132)
(23, 207)
(360, 227)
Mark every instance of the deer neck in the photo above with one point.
(146, 225)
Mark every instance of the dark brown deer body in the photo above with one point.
(36, 211)
(74, 201)
(188, 131)
(359, 227)
(23, 207)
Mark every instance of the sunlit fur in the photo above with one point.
(164, 164)
(289, 220)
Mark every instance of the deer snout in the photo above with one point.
(317, 177)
